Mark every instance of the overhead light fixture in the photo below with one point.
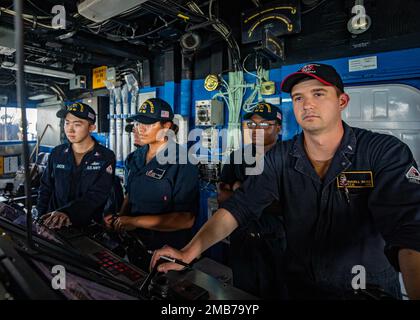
(41, 96)
(190, 41)
(40, 70)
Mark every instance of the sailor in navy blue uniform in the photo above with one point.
(161, 196)
(350, 199)
(78, 179)
(256, 251)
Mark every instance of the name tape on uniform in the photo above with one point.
(156, 173)
(355, 179)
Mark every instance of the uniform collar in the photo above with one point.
(347, 144)
(139, 156)
(141, 153)
(68, 150)
(340, 160)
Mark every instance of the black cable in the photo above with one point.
(257, 3)
(313, 8)
(230, 40)
(174, 3)
(211, 9)
(150, 32)
(175, 13)
(152, 9)
(39, 9)
(114, 27)
(129, 12)
(185, 9)
(161, 7)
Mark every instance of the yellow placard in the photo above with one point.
(98, 77)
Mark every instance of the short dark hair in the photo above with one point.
(173, 127)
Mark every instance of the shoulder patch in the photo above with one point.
(413, 175)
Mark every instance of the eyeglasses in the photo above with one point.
(261, 125)
(144, 125)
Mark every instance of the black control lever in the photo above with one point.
(144, 288)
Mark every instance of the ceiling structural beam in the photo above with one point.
(108, 47)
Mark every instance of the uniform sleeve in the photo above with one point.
(116, 198)
(228, 171)
(46, 188)
(258, 191)
(395, 199)
(127, 164)
(91, 204)
(186, 189)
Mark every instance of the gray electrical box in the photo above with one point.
(111, 74)
(7, 41)
(78, 82)
(208, 113)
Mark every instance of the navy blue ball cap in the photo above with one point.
(321, 72)
(80, 110)
(153, 110)
(266, 111)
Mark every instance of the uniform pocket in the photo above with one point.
(358, 200)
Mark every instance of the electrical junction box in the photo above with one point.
(268, 88)
(208, 113)
(111, 74)
(78, 82)
(9, 164)
(7, 41)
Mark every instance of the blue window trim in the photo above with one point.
(13, 142)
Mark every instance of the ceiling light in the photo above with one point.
(190, 41)
(41, 70)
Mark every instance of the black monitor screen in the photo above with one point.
(18, 217)
(78, 288)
